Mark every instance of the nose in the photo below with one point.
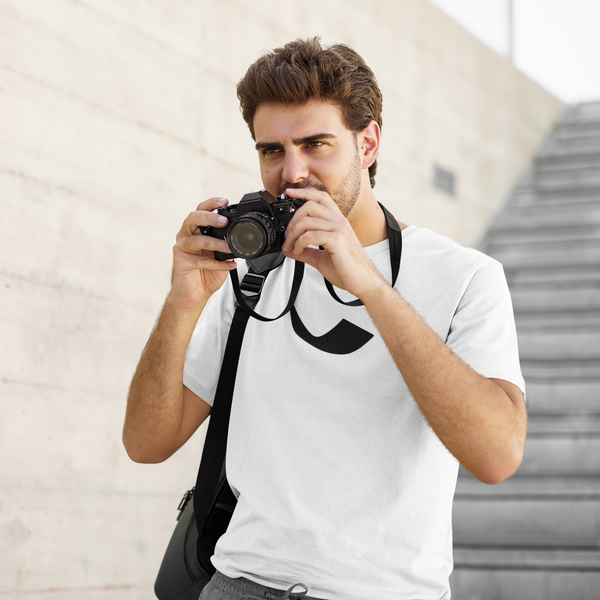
(295, 168)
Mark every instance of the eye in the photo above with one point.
(315, 144)
(270, 151)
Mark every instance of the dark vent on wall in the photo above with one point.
(444, 180)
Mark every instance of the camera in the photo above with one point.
(256, 225)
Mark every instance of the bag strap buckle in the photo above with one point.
(251, 286)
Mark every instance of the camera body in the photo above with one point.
(256, 225)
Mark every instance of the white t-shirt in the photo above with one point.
(342, 485)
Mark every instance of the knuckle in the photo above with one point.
(306, 238)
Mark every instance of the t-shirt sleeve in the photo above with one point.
(207, 346)
(483, 332)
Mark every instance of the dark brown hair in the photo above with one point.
(304, 70)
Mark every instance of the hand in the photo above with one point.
(196, 273)
(343, 261)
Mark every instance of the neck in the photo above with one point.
(368, 220)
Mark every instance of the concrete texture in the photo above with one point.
(537, 535)
(116, 119)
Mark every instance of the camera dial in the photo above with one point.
(251, 236)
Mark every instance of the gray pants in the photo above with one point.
(221, 587)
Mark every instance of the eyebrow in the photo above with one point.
(296, 142)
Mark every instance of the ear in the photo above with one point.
(368, 143)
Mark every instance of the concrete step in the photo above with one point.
(574, 276)
(550, 255)
(567, 163)
(527, 202)
(518, 522)
(543, 512)
(530, 487)
(541, 217)
(482, 573)
(582, 113)
(573, 143)
(570, 248)
(569, 129)
(585, 296)
(545, 225)
(543, 220)
(559, 344)
(571, 160)
(553, 190)
(549, 370)
(559, 397)
(568, 175)
(557, 320)
(532, 233)
(570, 453)
(566, 424)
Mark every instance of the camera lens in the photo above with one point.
(251, 236)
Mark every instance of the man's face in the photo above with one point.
(308, 146)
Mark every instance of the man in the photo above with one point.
(345, 463)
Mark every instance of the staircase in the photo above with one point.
(537, 535)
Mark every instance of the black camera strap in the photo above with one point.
(347, 337)
(395, 240)
(257, 281)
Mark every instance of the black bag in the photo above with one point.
(206, 509)
(186, 566)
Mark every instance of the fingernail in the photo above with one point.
(222, 200)
(223, 220)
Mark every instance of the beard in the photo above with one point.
(344, 195)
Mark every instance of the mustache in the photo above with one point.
(302, 185)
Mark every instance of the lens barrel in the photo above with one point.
(251, 236)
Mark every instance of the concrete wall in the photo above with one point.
(116, 119)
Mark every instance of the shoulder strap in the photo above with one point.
(215, 445)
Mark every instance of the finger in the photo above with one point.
(315, 209)
(191, 262)
(312, 209)
(209, 264)
(310, 256)
(196, 244)
(330, 240)
(312, 195)
(302, 226)
(201, 218)
(213, 203)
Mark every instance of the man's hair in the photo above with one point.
(304, 70)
